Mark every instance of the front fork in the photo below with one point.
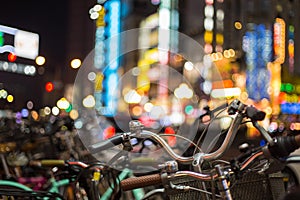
(223, 184)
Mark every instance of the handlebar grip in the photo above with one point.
(48, 163)
(255, 114)
(139, 182)
(285, 145)
(106, 144)
(297, 140)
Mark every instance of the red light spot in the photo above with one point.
(169, 130)
(109, 132)
(146, 121)
(171, 139)
(11, 57)
(49, 87)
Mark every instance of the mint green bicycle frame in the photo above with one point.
(55, 185)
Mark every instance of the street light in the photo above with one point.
(49, 87)
(40, 60)
(75, 63)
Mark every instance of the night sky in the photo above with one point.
(49, 20)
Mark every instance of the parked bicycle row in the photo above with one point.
(145, 165)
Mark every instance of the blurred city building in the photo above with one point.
(252, 43)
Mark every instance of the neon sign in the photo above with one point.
(289, 99)
(257, 45)
(291, 48)
(106, 60)
(26, 44)
(279, 40)
(290, 108)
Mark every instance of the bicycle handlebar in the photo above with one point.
(142, 181)
(211, 112)
(236, 108)
(286, 144)
(283, 146)
(106, 144)
(158, 179)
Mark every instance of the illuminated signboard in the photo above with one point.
(279, 40)
(291, 47)
(209, 12)
(257, 45)
(106, 60)
(26, 44)
(290, 108)
(289, 98)
(99, 58)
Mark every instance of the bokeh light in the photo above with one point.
(40, 60)
(89, 101)
(75, 63)
(63, 103)
(29, 105)
(238, 25)
(34, 115)
(10, 98)
(55, 110)
(74, 114)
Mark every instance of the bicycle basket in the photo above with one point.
(174, 194)
(252, 186)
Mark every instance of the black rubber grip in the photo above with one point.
(284, 145)
(255, 114)
(140, 182)
(297, 139)
(106, 144)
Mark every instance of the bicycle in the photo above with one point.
(210, 177)
(84, 180)
(54, 187)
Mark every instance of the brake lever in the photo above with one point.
(263, 131)
(212, 112)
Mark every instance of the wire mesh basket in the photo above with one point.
(174, 194)
(251, 186)
(254, 186)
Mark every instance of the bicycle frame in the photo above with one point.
(15, 184)
(126, 173)
(55, 185)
